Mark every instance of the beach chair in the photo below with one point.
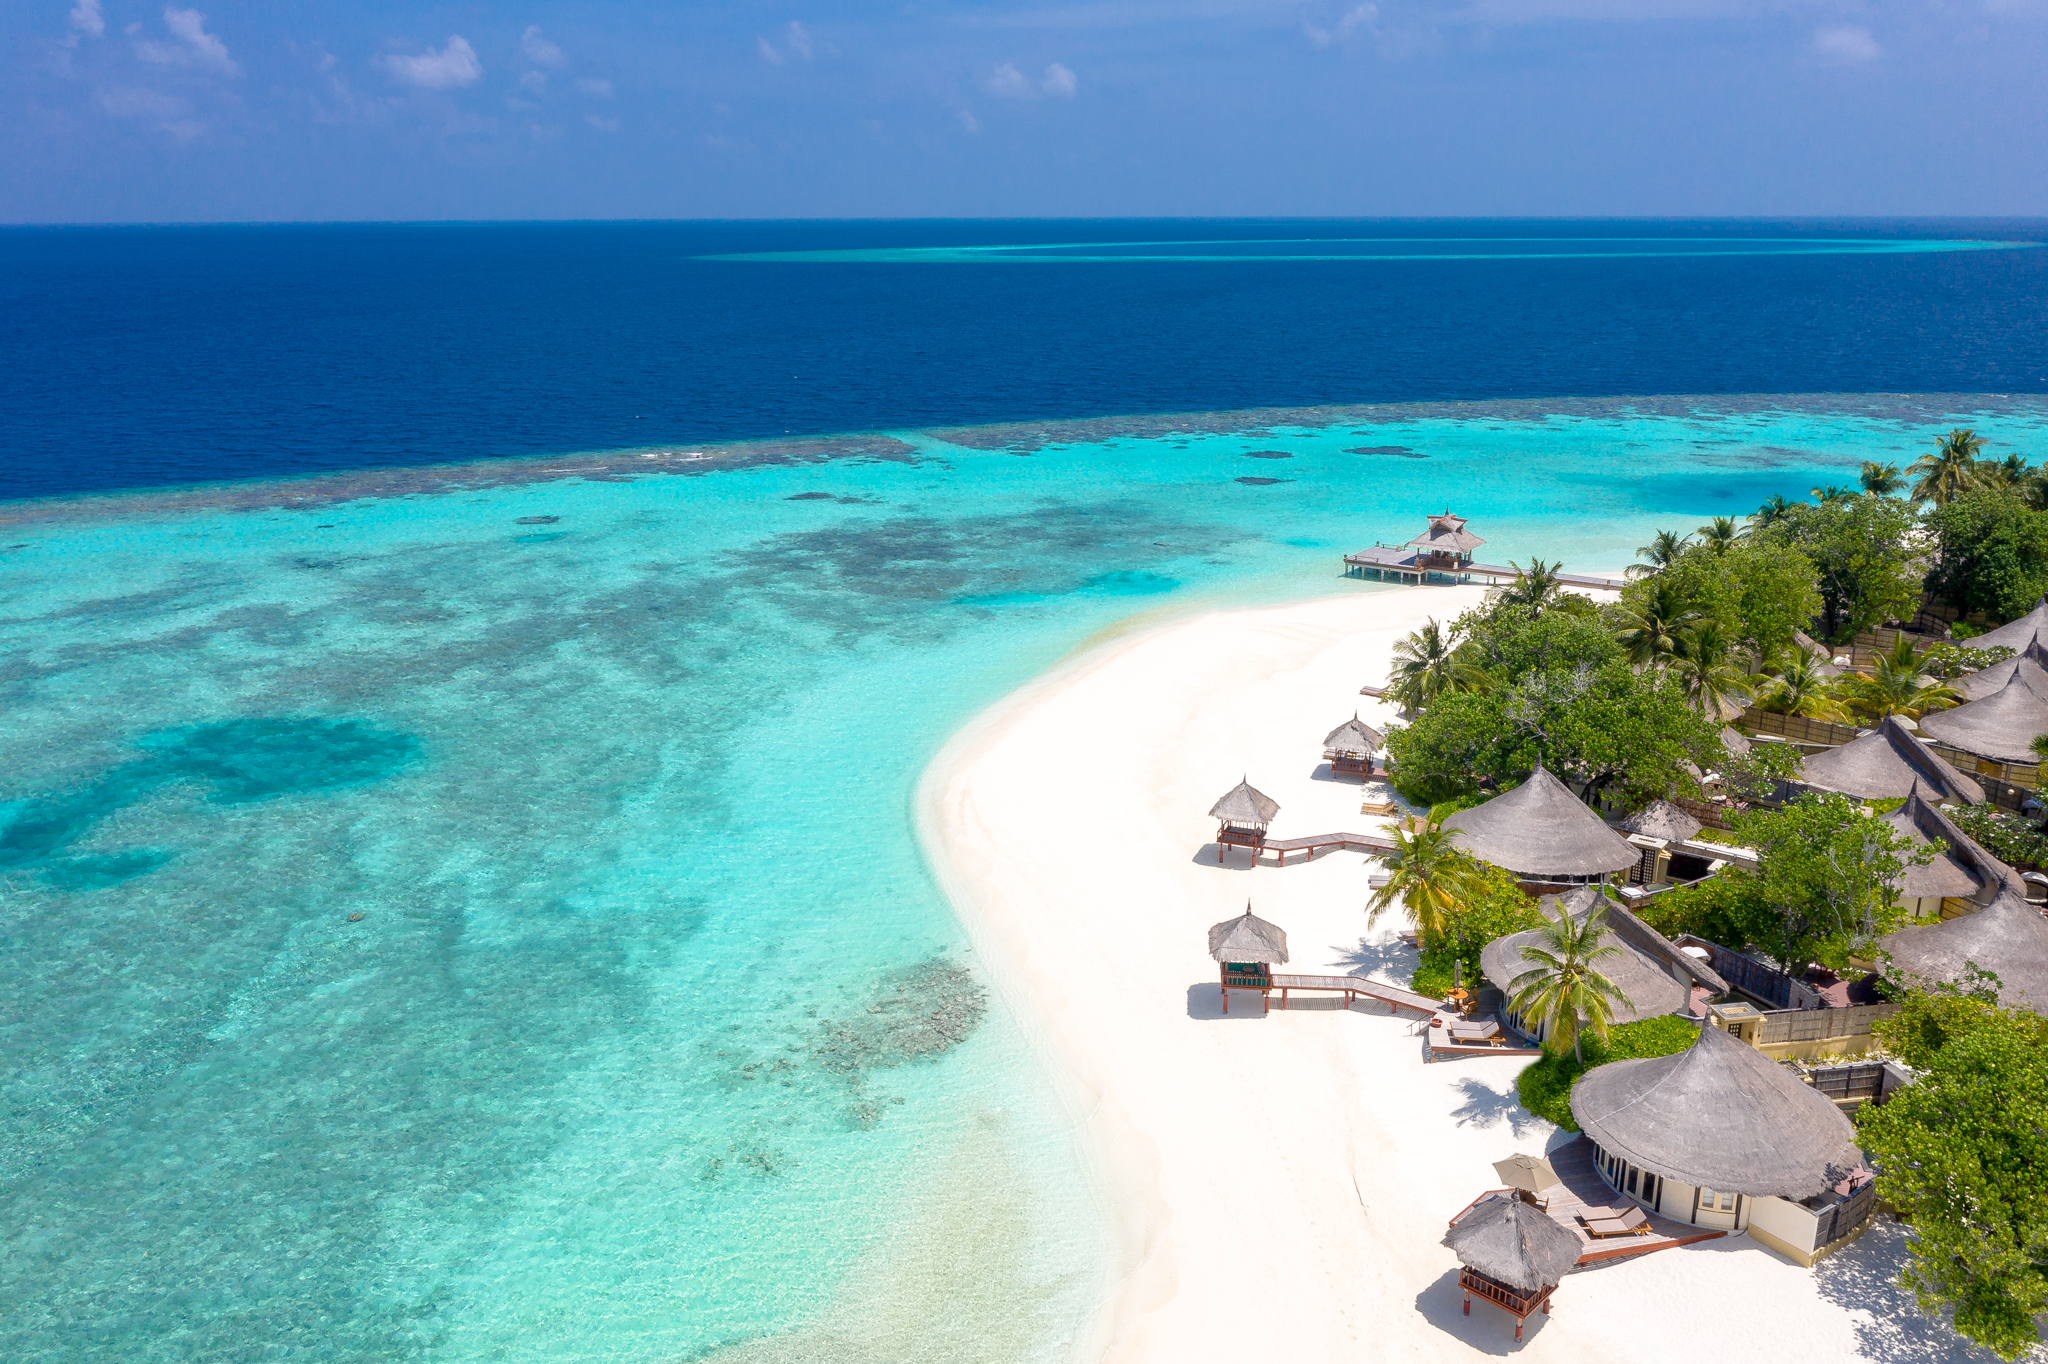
(1485, 1034)
(1601, 1223)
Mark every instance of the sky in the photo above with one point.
(126, 111)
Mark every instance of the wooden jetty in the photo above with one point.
(1443, 554)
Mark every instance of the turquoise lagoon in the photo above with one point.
(654, 1040)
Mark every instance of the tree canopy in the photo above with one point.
(1990, 552)
(1858, 549)
(1828, 874)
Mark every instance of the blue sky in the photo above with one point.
(118, 110)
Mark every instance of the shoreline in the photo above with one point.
(1287, 1175)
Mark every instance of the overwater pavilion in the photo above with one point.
(1350, 746)
(1245, 814)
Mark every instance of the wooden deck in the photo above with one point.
(1582, 1187)
(1366, 843)
(1350, 986)
(1404, 564)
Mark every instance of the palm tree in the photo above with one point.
(1564, 988)
(1895, 685)
(1881, 480)
(1426, 876)
(2012, 471)
(1535, 587)
(1719, 533)
(1769, 514)
(1800, 688)
(1706, 666)
(1952, 470)
(1834, 492)
(1428, 664)
(1650, 628)
(1664, 548)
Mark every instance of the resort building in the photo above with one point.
(1655, 975)
(2001, 727)
(2031, 662)
(1888, 763)
(2008, 938)
(1961, 879)
(2016, 635)
(1350, 746)
(1719, 1135)
(1542, 833)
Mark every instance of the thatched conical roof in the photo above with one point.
(1248, 938)
(1446, 534)
(2015, 634)
(1661, 819)
(1354, 739)
(2008, 938)
(2030, 663)
(1647, 988)
(1513, 1242)
(1541, 829)
(2000, 727)
(1885, 764)
(1947, 874)
(1719, 1114)
(1243, 804)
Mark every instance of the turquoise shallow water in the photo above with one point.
(654, 1040)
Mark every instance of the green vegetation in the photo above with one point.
(1493, 906)
(1859, 550)
(1827, 874)
(1427, 877)
(1565, 990)
(1963, 1155)
(1545, 1086)
(2005, 836)
(1990, 552)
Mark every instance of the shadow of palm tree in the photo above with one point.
(1394, 962)
(1485, 1106)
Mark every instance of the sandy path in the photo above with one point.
(1283, 1183)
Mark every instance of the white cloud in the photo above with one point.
(167, 112)
(603, 125)
(799, 40)
(536, 81)
(596, 89)
(1846, 45)
(539, 50)
(87, 19)
(1007, 82)
(969, 121)
(194, 45)
(1360, 16)
(768, 52)
(455, 65)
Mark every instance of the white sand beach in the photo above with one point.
(1284, 1182)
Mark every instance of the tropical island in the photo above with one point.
(1728, 880)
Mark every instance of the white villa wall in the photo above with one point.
(1785, 1226)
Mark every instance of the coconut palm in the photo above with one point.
(1952, 470)
(1426, 876)
(1564, 988)
(1896, 685)
(1800, 688)
(1536, 587)
(1428, 664)
(1719, 533)
(2012, 471)
(1833, 492)
(1708, 666)
(1769, 514)
(1664, 547)
(1651, 626)
(1881, 480)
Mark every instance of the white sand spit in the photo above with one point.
(1284, 1182)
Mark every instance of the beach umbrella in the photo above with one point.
(1513, 1243)
(1532, 1173)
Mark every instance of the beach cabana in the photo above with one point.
(2031, 663)
(2016, 634)
(1655, 975)
(1511, 1254)
(1720, 1135)
(1248, 948)
(2000, 727)
(1350, 746)
(1888, 763)
(1543, 833)
(2008, 938)
(1244, 812)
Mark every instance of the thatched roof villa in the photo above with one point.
(2031, 662)
(1543, 833)
(1661, 821)
(1720, 1135)
(2000, 727)
(1350, 746)
(1888, 763)
(2016, 634)
(1962, 876)
(2008, 938)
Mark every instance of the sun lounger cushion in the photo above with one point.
(1605, 1226)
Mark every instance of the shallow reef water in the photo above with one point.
(474, 914)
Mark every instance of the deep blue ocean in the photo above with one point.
(140, 356)
(466, 688)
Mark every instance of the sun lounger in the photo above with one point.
(1603, 1222)
(1477, 1034)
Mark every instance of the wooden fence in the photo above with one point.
(1753, 977)
(1820, 1025)
(1797, 728)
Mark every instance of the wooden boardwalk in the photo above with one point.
(1350, 986)
(1369, 844)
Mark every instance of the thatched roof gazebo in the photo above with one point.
(2016, 634)
(1541, 832)
(2031, 663)
(1350, 746)
(1446, 543)
(1718, 1116)
(1661, 820)
(1244, 812)
(1888, 763)
(1512, 1255)
(2008, 938)
(1247, 948)
(2000, 727)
